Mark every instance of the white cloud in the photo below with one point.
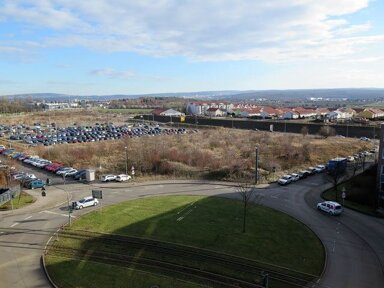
(113, 74)
(268, 30)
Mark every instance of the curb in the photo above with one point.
(42, 259)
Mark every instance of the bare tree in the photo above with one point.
(248, 194)
(335, 175)
(327, 131)
(356, 165)
(304, 131)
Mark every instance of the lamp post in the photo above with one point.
(256, 165)
(126, 160)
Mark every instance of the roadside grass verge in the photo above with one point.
(19, 202)
(272, 239)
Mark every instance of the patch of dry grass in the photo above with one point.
(215, 153)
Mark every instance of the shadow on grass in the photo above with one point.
(210, 223)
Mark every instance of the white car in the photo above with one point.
(107, 178)
(285, 180)
(70, 172)
(295, 177)
(85, 202)
(122, 178)
(319, 168)
(64, 170)
(350, 159)
(330, 207)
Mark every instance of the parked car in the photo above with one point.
(107, 178)
(122, 178)
(364, 139)
(285, 180)
(85, 202)
(70, 172)
(304, 174)
(330, 207)
(35, 183)
(295, 177)
(350, 158)
(319, 168)
(79, 175)
(311, 170)
(63, 170)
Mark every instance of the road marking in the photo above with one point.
(334, 243)
(55, 213)
(14, 224)
(29, 217)
(274, 197)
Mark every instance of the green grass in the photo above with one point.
(19, 202)
(208, 222)
(127, 111)
(117, 276)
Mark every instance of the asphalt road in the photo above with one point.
(354, 243)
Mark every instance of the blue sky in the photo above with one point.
(103, 47)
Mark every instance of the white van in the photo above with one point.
(330, 207)
(122, 178)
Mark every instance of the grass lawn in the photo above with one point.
(207, 222)
(25, 199)
(94, 275)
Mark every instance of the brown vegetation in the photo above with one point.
(211, 153)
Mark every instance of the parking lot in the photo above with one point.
(49, 134)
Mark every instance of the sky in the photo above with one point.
(104, 47)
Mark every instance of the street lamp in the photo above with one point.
(126, 160)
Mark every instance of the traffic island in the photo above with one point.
(184, 241)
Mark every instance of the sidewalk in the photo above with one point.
(127, 184)
(54, 196)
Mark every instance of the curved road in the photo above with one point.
(354, 243)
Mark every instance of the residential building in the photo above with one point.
(167, 112)
(215, 112)
(200, 108)
(371, 113)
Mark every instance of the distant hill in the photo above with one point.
(229, 95)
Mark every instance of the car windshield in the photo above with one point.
(286, 177)
(337, 207)
(82, 201)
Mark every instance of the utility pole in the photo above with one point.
(126, 160)
(256, 165)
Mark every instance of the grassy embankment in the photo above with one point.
(19, 202)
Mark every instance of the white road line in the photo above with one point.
(55, 213)
(333, 248)
(14, 224)
(29, 217)
(180, 218)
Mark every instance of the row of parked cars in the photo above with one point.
(289, 178)
(47, 165)
(118, 178)
(80, 134)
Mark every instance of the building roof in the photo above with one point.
(158, 111)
